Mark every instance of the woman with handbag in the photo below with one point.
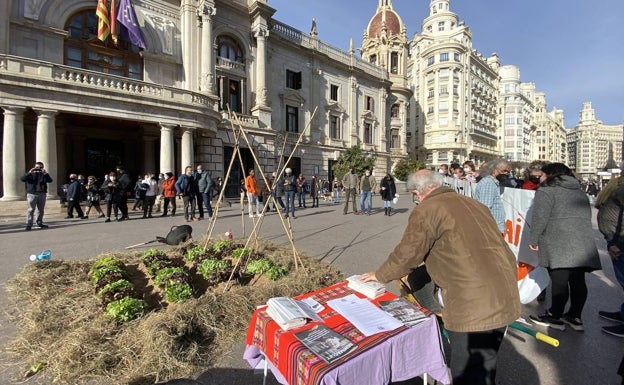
(387, 190)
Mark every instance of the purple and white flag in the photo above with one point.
(132, 31)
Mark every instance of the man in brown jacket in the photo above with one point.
(470, 262)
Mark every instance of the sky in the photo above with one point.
(573, 50)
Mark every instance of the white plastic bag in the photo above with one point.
(395, 200)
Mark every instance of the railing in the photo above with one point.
(246, 120)
(330, 51)
(96, 81)
(230, 64)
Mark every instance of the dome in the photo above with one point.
(392, 20)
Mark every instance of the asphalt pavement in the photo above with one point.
(354, 244)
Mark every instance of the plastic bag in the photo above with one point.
(395, 200)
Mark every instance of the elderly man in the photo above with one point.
(488, 189)
(477, 279)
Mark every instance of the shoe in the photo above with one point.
(42, 226)
(356, 213)
(259, 215)
(194, 219)
(163, 215)
(617, 330)
(69, 217)
(188, 219)
(548, 320)
(101, 216)
(574, 323)
(614, 316)
(82, 217)
(107, 220)
(85, 217)
(150, 216)
(28, 228)
(119, 219)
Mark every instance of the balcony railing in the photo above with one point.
(231, 65)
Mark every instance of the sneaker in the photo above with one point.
(42, 226)
(615, 316)
(251, 216)
(101, 216)
(107, 220)
(548, 320)
(28, 228)
(617, 330)
(573, 322)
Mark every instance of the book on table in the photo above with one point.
(404, 311)
(290, 313)
(371, 289)
(325, 343)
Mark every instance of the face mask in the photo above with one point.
(467, 170)
(368, 173)
(534, 179)
(199, 171)
(112, 178)
(442, 171)
(502, 177)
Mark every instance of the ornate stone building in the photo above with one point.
(594, 146)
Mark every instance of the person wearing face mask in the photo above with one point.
(444, 169)
(470, 171)
(93, 197)
(350, 183)
(367, 188)
(289, 185)
(113, 195)
(488, 189)
(184, 188)
(532, 175)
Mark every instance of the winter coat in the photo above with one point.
(561, 226)
(371, 180)
(204, 182)
(387, 188)
(168, 186)
(74, 190)
(36, 182)
(113, 191)
(608, 216)
(251, 185)
(184, 185)
(478, 279)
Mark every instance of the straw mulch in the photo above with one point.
(62, 326)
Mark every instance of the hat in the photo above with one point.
(169, 174)
(288, 170)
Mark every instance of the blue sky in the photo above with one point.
(572, 49)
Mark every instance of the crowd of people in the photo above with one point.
(479, 298)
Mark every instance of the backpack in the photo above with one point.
(177, 235)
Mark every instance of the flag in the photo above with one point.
(103, 21)
(113, 20)
(127, 17)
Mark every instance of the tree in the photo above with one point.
(353, 157)
(405, 167)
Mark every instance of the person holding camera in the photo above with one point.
(37, 179)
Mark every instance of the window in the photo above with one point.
(444, 56)
(333, 92)
(293, 80)
(395, 139)
(430, 93)
(372, 59)
(394, 62)
(443, 106)
(230, 93)
(370, 103)
(334, 127)
(292, 119)
(394, 111)
(429, 28)
(228, 48)
(430, 61)
(84, 50)
(456, 56)
(441, 25)
(455, 90)
(368, 133)
(443, 90)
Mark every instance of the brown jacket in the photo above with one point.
(460, 243)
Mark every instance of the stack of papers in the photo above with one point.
(371, 289)
(290, 313)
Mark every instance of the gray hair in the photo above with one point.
(489, 167)
(423, 180)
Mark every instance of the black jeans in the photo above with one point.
(473, 356)
(568, 283)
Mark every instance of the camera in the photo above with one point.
(37, 169)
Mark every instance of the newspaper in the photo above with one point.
(404, 311)
(370, 289)
(325, 343)
(290, 313)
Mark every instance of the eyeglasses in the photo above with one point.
(506, 171)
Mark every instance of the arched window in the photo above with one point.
(229, 48)
(84, 50)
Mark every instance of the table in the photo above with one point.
(398, 355)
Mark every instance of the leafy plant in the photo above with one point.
(195, 252)
(241, 252)
(259, 266)
(153, 252)
(276, 272)
(126, 309)
(212, 266)
(103, 271)
(108, 262)
(168, 273)
(119, 285)
(219, 246)
(405, 167)
(176, 292)
(158, 265)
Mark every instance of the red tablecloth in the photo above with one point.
(298, 366)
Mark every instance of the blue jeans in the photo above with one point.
(366, 197)
(618, 268)
(302, 198)
(336, 195)
(37, 201)
(206, 199)
(290, 202)
(387, 203)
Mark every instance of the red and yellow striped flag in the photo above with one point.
(103, 21)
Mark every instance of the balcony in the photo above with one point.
(230, 65)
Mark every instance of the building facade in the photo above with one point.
(594, 147)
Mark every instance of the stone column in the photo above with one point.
(261, 91)
(45, 147)
(13, 154)
(207, 58)
(167, 162)
(187, 148)
(188, 18)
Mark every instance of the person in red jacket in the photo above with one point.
(251, 186)
(169, 194)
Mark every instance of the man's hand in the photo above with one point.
(533, 247)
(366, 277)
(614, 252)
